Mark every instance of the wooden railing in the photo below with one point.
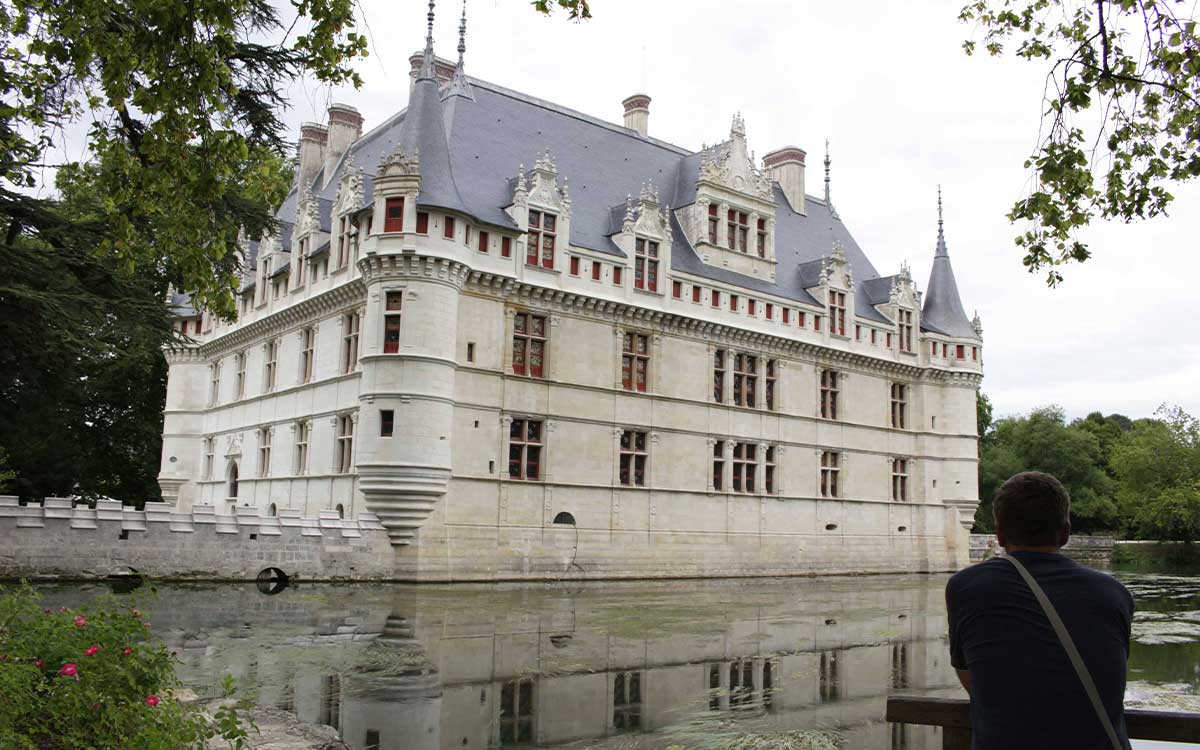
(953, 716)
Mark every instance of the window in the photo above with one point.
(899, 404)
(525, 449)
(677, 289)
(716, 298)
(733, 303)
(506, 247)
(645, 268)
(745, 380)
(264, 452)
(214, 385)
(769, 394)
(308, 341)
(719, 376)
(393, 304)
(745, 464)
(516, 712)
(830, 469)
(837, 312)
(345, 443)
(393, 215)
(466, 234)
(470, 351)
(762, 238)
(350, 326)
(900, 480)
(372, 741)
(448, 228)
(596, 268)
(829, 681)
(272, 365)
(737, 223)
(627, 701)
(816, 322)
(751, 307)
(543, 227)
(889, 339)
(718, 464)
(633, 458)
(800, 318)
(770, 311)
(343, 250)
(529, 345)
(933, 348)
(301, 262)
(857, 332)
(960, 350)
(210, 450)
(484, 240)
(829, 394)
(574, 265)
(874, 336)
(975, 353)
(239, 378)
(302, 433)
(787, 316)
(695, 294)
(906, 330)
(769, 471)
(387, 422)
(714, 223)
(422, 222)
(635, 361)
(616, 276)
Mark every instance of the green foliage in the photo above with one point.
(577, 10)
(93, 677)
(1158, 466)
(1123, 104)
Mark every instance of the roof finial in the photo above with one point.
(427, 69)
(939, 209)
(941, 238)
(458, 85)
(462, 35)
(828, 199)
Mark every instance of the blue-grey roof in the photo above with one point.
(943, 311)
(180, 304)
(470, 151)
(283, 267)
(321, 250)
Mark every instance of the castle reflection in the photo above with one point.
(606, 665)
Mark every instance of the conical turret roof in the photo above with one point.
(943, 310)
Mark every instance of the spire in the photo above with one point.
(458, 85)
(943, 310)
(427, 69)
(828, 200)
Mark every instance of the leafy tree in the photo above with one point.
(577, 10)
(1123, 101)
(1157, 466)
(1171, 515)
(983, 416)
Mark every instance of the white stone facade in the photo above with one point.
(451, 386)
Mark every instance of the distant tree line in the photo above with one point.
(1139, 478)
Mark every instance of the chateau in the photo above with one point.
(537, 345)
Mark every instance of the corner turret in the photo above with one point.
(943, 310)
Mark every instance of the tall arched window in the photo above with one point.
(272, 510)
(231, 481)
(341, 511)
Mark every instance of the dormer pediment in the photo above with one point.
(350, 195)
(308, 215)
(729, 166)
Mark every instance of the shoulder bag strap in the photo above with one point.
(1064, 637)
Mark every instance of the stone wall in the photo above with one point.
(58, 540)
(1082, 547)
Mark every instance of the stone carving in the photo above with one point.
(400, 164)
(350, 193)
(233, 445)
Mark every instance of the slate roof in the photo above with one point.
(943, 311)
(470, 149)
(180, 304)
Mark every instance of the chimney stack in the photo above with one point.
(637, 113)
(786, 166)
(313, 138)
(345, 127)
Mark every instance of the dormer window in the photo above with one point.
(714, 223)
(837, 312)
(543, 228)
(343, 255)
(393, 215)
(762, 238)
(301, 261)
(645, 269)
(738, 225)
(906, 330)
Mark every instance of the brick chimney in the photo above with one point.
(345, 127)
(637, 113)
(786, 166)
(313, 139)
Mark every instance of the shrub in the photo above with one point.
(94, 677)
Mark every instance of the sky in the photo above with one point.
(904, 110)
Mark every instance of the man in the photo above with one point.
(1024, 691)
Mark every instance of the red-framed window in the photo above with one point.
(448, 228)
(543, 228)
(816, 322)
(645, 265)
(506, 247)
(733, 303)
(719, 376)
(525, 449)
(596, 268)
(484, 241)
(745, 466)
(393, 215)
(635, 361)
(770, 312)
(574, 265)
(801, 317)
(762, 238)
(900, 480)
(677, 289)
(616, 275)
(422, 222)
(889, 339)
(787, 315)
(745, 380)
(961, 351)
(695, 294)
(829, 394)
(714, 223)
(529, 345)
(857, 332)
(633, 458)
(975, 353)
(738, 225)
(837, 312)
(393, 302)
(343, 252)
(716, 298)
(350, 331)
(345, 444)
(751, 307)
(769, 470)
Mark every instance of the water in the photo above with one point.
(615, 665)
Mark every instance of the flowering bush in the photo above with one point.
(94, 677)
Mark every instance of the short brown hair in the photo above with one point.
(1033, 508)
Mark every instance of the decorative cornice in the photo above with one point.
(335, 299)
(409, 266)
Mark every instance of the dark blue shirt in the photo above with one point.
(1024, 691)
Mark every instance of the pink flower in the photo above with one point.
(69, 669)
(151, 700)
(80, 621)
(91, 650)
(39, 663)
(126, 651)
(137, 613)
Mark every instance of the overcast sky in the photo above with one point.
(904, 109)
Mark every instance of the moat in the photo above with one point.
(633, 665)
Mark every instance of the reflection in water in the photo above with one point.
(619, 666)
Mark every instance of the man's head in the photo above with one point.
(1032, 509)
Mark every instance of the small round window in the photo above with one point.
(565, 518)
